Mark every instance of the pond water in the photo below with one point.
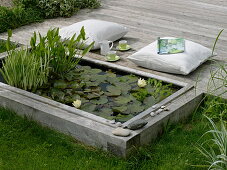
(106, 93)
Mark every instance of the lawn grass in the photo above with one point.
(24, 144)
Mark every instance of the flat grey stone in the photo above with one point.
(159, 111)
(152, 114)
(154, 107)
(137, 124)
(118, 124)
(121, 132)
(163, 107)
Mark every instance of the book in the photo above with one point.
(170, 46)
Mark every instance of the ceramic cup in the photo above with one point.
(123, 44)
(111, 55)
(105, 46)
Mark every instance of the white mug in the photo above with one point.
(105, 46)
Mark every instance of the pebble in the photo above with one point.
(159, 111)
(118, 124)
(166, 109)
(152, 114)
(112, 121)
(121, 132)
(163, 107)
(154, 107)
(137, 124)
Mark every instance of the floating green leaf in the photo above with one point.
(113, 91)
(60, 84)
(135, 108)
(88, 107)
(57, 94)
(106, 113)
(120, 109)
(122, 100)
(101, 100)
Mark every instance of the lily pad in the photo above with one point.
(76, 85)
(120, 109)
(122, 100)
(124, 87)
(128, 79)
(150, 88)
(101, 100)
(112, 80)
(111, 75)
(95, 71)
(92, 96)
(57, 94)
(88, 107)
(113, 91)
(92, 84)
(60, 84)
(135, 108)
(149, 101)
(75, 97)
(106, 113)
(98, 78)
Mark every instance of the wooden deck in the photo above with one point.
(196, 20)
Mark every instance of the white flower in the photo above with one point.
(77, 103)
(141, 82)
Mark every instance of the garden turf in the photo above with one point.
(24, 144)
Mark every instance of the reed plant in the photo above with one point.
(215, 149)
(24, 70)
(64, 54)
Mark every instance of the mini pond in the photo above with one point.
(105, 92)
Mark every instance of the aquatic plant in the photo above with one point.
(64, 55)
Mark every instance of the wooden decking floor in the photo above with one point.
(196, 20)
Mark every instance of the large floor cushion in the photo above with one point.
(181, 63)
(96, 30)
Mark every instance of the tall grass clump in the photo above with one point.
(215, 109)
(215, 149)
(218, 78)
(24, 70)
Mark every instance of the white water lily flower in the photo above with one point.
(141, 82)
(77, 103)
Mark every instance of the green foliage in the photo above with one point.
(215, 108)
(28, 11)
(87, 4)
(141, 94)
(216, 155)
(51, 57)
(27, 145)
(25, 70)
(64, 55)
(17, 16)
(3, 46)
(7, 19)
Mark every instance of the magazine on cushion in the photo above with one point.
(170, 46)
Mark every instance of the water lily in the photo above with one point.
(141, 82)
(77, 103)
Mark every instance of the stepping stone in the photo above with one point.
(121, 132)
(137, 124)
